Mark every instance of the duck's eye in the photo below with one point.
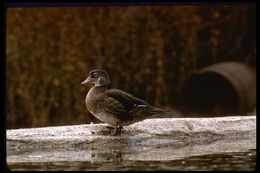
(95, 74)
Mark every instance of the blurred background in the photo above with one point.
(149, 51)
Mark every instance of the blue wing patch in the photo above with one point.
(128, 105)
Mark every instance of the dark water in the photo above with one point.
(232, 161)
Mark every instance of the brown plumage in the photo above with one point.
(114, 106)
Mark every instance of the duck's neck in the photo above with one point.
(93, 93)
(96, 90)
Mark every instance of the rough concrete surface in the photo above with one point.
(151, 139)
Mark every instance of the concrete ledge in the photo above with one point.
(151, 139)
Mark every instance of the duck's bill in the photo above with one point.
(85, 81)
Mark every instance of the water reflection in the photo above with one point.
(231, 161)
(112, 156)
(166, 154)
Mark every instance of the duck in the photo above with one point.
(114, 106)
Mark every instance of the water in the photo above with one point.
(228, 161)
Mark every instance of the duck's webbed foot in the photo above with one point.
(116, 129)
(109, 130)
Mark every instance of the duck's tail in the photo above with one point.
(164, 113)
(154, 112)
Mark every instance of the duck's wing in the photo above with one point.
(136, 108)
(118, 103)
(128, 101)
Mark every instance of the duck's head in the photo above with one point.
(98, 77)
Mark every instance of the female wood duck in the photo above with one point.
(114, 106)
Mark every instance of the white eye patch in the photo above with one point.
(101, 81)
